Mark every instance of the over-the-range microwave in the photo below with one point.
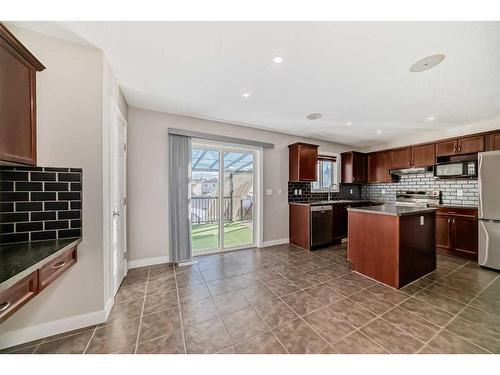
(456, 169)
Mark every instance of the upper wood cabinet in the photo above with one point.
(492, 142)
(423, 156)
(460, 146)
(379, 164)
(401, 158)
(353, 167)
(303, 160)
(446, 148)
(18, 69)
(470, 145)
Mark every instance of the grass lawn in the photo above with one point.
(205, 236)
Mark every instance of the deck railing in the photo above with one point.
(206, 209)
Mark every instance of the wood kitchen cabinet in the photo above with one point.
(457, 232)
(423, 156)
(446, 148)
(470, 145)
(303, 160)
(460, 146)
(492, 142)
(401, 158)
(379, 164)
(18, 69)
(353, 167)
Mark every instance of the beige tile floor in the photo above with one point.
(283, 299)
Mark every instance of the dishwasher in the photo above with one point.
(321, 225)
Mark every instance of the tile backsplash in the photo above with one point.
(347, 191)
(450, 189)
(40, 203)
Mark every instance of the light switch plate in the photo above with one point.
(269, 191)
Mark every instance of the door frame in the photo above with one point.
(116, 118)
(258, 190)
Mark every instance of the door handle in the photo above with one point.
(58, 265)
(116, 213)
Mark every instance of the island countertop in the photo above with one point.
(328, 202)
(20, 259)
(393, 210)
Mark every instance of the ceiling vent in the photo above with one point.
(314, 116)
(426, 63)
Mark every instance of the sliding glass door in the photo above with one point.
(222, 197)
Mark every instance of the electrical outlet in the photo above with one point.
(279, 191)
(295, 192)
(300, 191)
(422, 222)
(350, 191)
(460, 193)
(269, 191)
(383, 191)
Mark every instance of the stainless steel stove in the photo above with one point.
(417, 198)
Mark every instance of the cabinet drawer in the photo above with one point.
(17, 295)
(51, 271)
(457, 211)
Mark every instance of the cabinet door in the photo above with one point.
(443, 232)
(372, 167)
(423, 156)
(471, 145)
(17, 107)
(339, 221)
(308, 160)
(401, 158)
(492, 142)
(446, 148)
(353, 167)
(465, 236)
(383, 166)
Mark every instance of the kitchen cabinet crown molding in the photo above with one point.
(20, 48)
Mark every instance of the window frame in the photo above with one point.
(334, 175)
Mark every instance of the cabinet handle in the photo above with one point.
(58, 265)
(459, 148)
(454, 149)
(4, 306)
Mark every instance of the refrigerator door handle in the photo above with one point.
(480, 162)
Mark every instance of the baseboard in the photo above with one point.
(147, 262)
(23, 335)
(108, 306)
(275, 242)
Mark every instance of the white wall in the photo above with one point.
(70, 98)
(148, 176)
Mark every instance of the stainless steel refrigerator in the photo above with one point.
(489, 209)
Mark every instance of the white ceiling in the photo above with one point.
(349, 71)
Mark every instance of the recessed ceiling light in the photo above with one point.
(246, 95)
(430, 118)
(349, 123)
(278, 59)
(314, 116)
(379, 131)
(426, 63)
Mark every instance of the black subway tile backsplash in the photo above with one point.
(56, 186)
(29, 186)
(55, 206)
(347, 191)
(42, 176)
(29, 206)
(39, 203)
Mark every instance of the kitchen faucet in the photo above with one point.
(330, 192)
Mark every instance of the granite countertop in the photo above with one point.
(393, 210)
(20, 259)
(339, 201)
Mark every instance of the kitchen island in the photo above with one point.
(392, 244)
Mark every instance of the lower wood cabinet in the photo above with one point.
(18, 295)
(457, 232)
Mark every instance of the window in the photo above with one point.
(327, 174)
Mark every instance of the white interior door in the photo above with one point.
(118, 198)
